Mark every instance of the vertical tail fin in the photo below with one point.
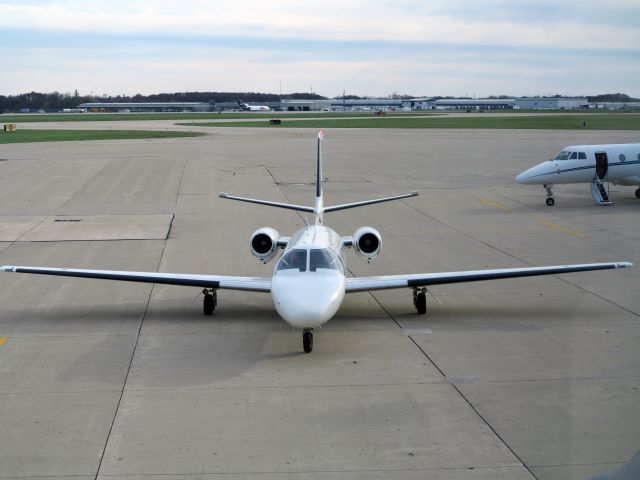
(319, 210)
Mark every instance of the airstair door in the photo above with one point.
(602, 165)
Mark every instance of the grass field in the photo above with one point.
(608, 121)
(28, 136)
(118, 117)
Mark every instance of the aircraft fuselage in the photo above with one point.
(578, 164)
(308, 283)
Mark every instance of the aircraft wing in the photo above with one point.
(360, 284)
(255, 284)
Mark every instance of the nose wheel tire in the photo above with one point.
(307, 341)
(550, 202)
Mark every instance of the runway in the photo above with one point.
(515, 379)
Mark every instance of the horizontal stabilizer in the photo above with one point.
(344, 206)
(304, 208)
(289, 206)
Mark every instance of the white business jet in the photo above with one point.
(252, 108)
(308, 282)
(594, 164)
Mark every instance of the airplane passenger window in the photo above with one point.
(294, 259)
(563, 155)
(323, 258)
(574, 156)
(582, 156)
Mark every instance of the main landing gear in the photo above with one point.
(307, 340)
(551, 201)
(210, 301)
(420, 300)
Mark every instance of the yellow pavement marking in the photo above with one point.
(570, 231)
(2, 340)
(493, 204)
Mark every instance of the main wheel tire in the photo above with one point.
(638, 193)
(550, 202)
(421, 303)
(208, 304)
(307, 341)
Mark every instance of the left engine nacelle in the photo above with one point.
(264, 243)
(367, 242)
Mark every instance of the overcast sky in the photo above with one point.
(373, 47)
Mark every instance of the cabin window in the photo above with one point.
(563, 156)
(323, 258)
(582, 156)
(622, 157)
(574, 156)
(295, 259)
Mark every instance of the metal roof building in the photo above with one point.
(468, 104)
(553, 103)
(146, 106)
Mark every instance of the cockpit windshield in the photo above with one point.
(319, 258)
(565, 155)
(323, 258)
(295, 259)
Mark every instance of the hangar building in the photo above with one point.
(146, 107)
(551, 103)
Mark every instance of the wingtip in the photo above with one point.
(625, 264)
(223, 195)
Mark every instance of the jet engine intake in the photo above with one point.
(264, 243)
(367, 242)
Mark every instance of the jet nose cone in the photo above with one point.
(523, 177)
(534, 175)
(307, 300)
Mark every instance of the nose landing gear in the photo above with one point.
(307, 340)
(550, 198)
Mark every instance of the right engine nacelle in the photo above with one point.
(367, 242)
(264, 243)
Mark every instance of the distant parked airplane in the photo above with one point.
(309, 282)
(594, 164)
(252, 108)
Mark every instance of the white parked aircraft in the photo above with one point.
(252, 108)
(309, 282)
(594, 164)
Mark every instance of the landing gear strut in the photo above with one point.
(550, 198)
(420, 300)
(307, 340)
(210, 301)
